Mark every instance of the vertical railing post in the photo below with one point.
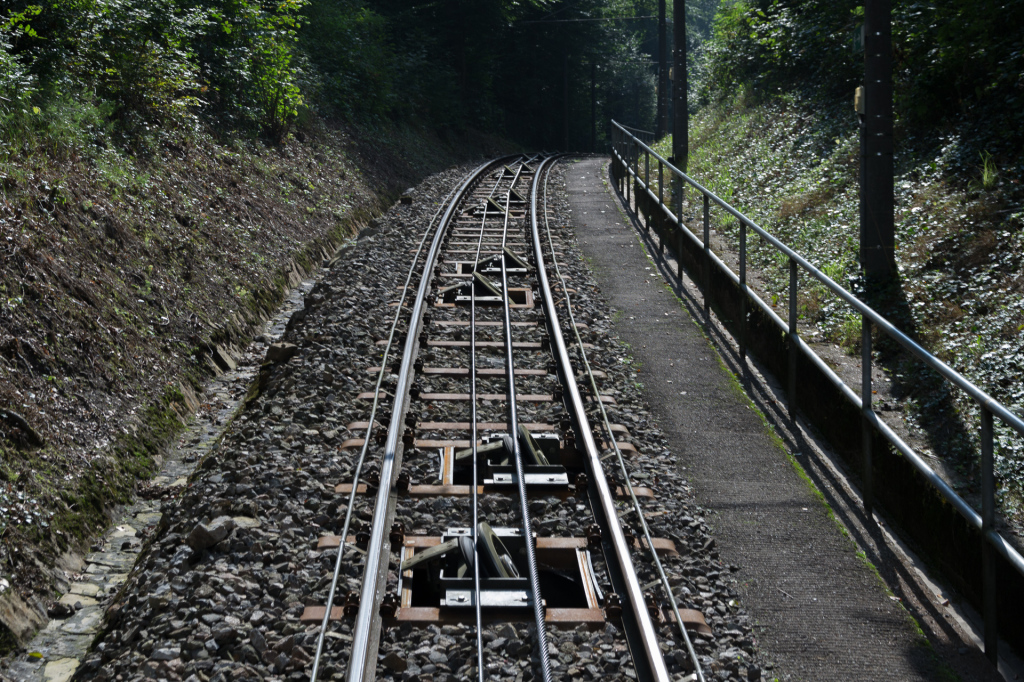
(661, 206)
(866, 430)
(647, 189)
(793, 336)
(707, 257)
(743, 292)
(988, 515)
(661, 183)
(678, 182)
(629, 172)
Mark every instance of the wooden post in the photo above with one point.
(877, 235)
(680, 86)
(662, 117)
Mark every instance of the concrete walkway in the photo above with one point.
(822, 613)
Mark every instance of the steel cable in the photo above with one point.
(473, 446)
(513, 428)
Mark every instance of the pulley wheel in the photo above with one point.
(495, 559)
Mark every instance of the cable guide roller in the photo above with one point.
(514, 264)
(539, 452)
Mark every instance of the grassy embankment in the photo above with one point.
(793, 168)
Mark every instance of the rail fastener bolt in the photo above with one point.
(352, 604)
(594, 536)
(613, 607)
(408, 438)
(652, 607)
(397, 536)
(362, 539)
(403, 482)
(389, 605)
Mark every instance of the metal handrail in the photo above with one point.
(644, 134)
(627, 148)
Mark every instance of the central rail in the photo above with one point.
(370, 606)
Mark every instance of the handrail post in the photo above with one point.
(742, 331)
(678, 182)
(792, 337)
(988, 514)
(647, 188)
(865, 399)
(707, 257)
(661, 204)
(629, 173)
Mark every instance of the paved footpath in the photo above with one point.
(821, 612)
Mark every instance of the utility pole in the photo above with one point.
(593, 107)
(877, 235)
(565, 91)
(680, 86)
(662, 124)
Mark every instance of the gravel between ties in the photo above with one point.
(218, 593)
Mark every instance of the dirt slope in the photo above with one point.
(124, 281)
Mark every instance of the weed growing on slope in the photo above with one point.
(793, 168)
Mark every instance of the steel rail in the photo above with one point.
(618, 453)
(605, 509)
(366, 443)
(361, 630)
(513, 430)
(473, 445)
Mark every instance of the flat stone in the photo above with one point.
(224, 359)
(122, 531)
(281, 352)
(393, 661)
(111, 559)
(246, 522)
(166, 654)
(85, 622)
(71, 599)
(207, 535)
(148, 518)
(60, 670)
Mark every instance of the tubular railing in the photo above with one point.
(627, 150)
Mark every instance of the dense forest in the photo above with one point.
(76, 71)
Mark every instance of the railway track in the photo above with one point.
(362, 516)
(487, 410)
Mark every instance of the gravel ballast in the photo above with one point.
(218, 592)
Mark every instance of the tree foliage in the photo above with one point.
(952, 59)
(534, 70)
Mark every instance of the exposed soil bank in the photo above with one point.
(125, 282)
